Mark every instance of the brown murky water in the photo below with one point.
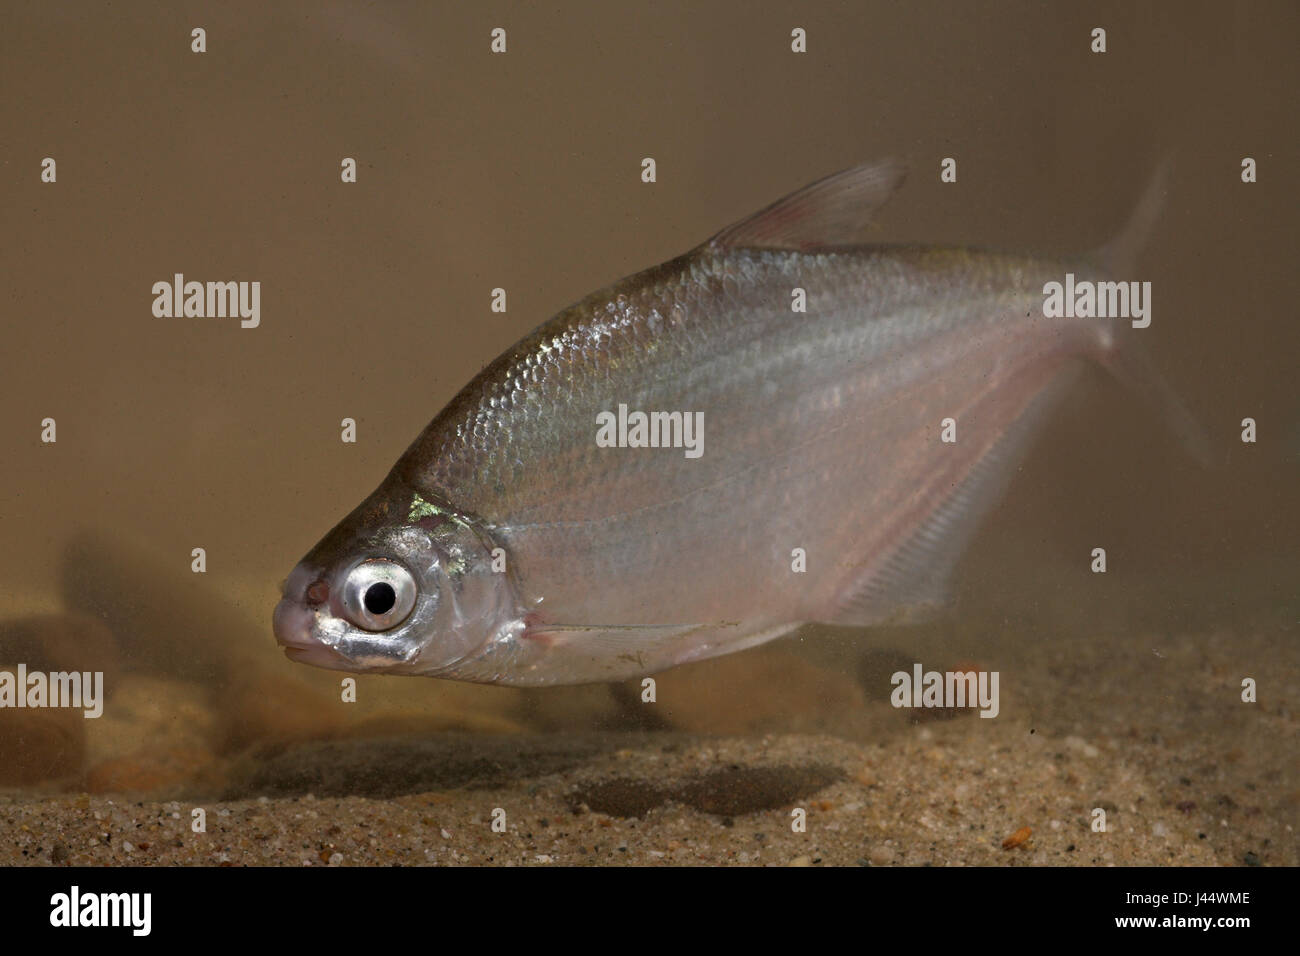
(521, 171)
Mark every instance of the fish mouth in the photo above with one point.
(292, 624)
(318, 656)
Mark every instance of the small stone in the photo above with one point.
(1159, 829)
(799, 861)
(881, 855)
(336, 859)
(1018, 838)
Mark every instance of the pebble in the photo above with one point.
(881, 855)
(1017, 838)
(1080, 745)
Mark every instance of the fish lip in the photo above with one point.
(317, 655)
(292, 626)
(294, 619)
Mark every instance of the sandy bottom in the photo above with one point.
(945, 794)
(947, 791)
(789, 754)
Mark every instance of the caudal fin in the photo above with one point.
(1120, 254)
(1128, 360)
(1132, 368)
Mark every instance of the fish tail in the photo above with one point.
(1121, 252)
(1128, 360)
(1132, 367)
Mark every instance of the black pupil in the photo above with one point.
(380, 598)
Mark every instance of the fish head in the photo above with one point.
(402, 585)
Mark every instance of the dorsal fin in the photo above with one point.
(830, 212)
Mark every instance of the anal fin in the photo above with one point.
(910, 583)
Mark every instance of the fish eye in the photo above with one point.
(378, 594)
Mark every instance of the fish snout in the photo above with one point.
(295, 618)
(295, 626)
(292, 624)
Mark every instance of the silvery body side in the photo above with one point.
(822, 438)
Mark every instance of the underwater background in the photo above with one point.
(521, 170)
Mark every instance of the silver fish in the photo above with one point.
(508, 546)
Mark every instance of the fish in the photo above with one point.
(537, 532)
